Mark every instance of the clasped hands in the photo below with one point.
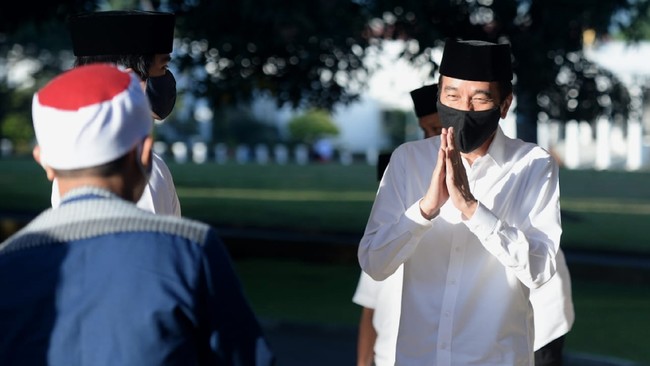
(448, 181)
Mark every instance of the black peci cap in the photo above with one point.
(424, 100)
(122, 33)
(476, 61)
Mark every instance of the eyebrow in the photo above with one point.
(485, 92)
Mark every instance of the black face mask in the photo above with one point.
(161, 91)
(471, 128)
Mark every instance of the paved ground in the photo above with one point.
(312, 345)
(322, 345)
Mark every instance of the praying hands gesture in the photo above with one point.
(448, 181)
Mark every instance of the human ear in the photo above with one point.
(36, 153)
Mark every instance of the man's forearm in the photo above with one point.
(366, 339)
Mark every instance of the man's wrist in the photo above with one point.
(428, 212)
(470, 208)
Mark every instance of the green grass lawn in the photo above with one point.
(602, 210)
(611, 319)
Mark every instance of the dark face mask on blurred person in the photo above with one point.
(161, 91)
(471, 128)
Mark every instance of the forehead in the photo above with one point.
(468, 86)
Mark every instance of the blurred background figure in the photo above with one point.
(324, 149)
(381, 300)
(424, 103)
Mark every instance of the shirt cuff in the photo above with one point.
(483, 222)
(364, 300)
(415, 214)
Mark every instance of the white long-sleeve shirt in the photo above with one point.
(553, 312)
(385, 298)
(159, 195)
(465, 296)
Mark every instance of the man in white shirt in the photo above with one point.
(381, 300)
(141, 42)
(474, 218)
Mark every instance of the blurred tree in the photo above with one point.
(583, 91)
(240, 126)
(311, 53)
(27, 39)
(17, 129)
(634, 24)
(301, 53)
(15, 15)
(311, 126)
(395, 124)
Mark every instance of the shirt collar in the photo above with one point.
(87, 192)
(497, 151)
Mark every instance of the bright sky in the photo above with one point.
(611, 54)
(395, 78)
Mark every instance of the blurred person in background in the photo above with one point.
(381, 300)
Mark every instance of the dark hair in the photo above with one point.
(103, 171)
(139, 63)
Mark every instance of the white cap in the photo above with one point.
(89, 116)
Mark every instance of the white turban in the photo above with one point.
(89, 116)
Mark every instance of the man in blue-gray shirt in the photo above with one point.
(99, 281)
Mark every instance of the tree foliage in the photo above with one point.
(310, 53)
(634, 25)
(305, 53)
(583, 91)
(312, 125)
(240, 126)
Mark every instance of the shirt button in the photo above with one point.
(452, 282)
(443, 346)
